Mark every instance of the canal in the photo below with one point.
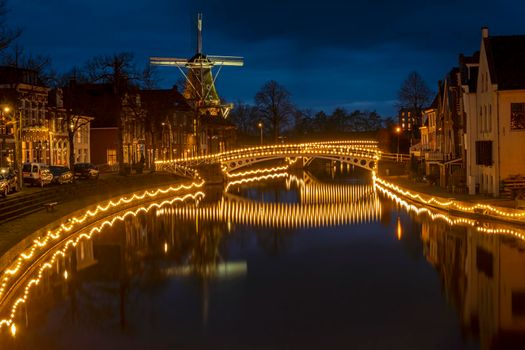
(281, 261)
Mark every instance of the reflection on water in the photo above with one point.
(293, 260)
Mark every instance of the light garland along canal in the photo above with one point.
(277, 261)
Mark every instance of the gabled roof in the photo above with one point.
(468, 68)
(506, 57)
(15, 75)
(164, 99)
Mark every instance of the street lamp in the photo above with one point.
(260, 126)
(16, 130)
(398, 131)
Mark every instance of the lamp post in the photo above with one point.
(260, 126)
(398, 131)
(16, 130)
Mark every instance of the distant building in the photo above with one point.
(408, 119)
(496, 120)
(102, 103)
(169, 118)
(469, 66)
(442, 132)
(26, 96)
(59, 125)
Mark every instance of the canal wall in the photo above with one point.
(82, 218)
(469, 208)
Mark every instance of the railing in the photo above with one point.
(398, 157)
(350, 148)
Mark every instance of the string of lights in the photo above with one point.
(453, 204)
(53, 235)
(73, 242)
(452, 221)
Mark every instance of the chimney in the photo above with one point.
(484, 32)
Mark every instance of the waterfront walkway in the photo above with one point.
(433, 190)
(479, 206)
(108, 186)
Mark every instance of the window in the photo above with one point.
(485, 128)
(490, 118)
(112, 156)
(517, 116)
(484, 153)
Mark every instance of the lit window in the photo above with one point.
(112, 156)
(517, 116)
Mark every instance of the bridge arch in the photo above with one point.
(363, 154)
(366, 163)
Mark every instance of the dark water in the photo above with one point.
(296, 262)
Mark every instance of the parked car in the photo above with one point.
(61, 174)
(9, 175)
(36, 174)
(86, 171)
(4, 186)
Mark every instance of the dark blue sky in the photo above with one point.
(330, 53)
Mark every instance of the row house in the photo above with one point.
(494, 97)
(169, 124)
(155, 124)
(24, 99)
(441, 133)
(106, 107)
(61, 122)
(31, 109)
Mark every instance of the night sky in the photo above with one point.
(353, 54)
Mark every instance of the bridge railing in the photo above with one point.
(398, 157)
(364, 145)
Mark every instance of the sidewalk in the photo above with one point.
(433, 190)
(106, 187)
(479, 206)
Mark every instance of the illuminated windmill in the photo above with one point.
(200, 89)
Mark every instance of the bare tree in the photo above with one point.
(274, 105)
(73, 120)
(119, 71)
(414, 92)
(42, 64)
(149, 79)
(244, 116)
(7, 35)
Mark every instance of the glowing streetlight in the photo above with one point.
(17, 127)
(398, 131)
(260, 126)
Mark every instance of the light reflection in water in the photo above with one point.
(480, 264)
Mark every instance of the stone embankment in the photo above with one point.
(478, 206)
(69, 198)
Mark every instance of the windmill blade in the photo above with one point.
(168, 61)
(227, 60)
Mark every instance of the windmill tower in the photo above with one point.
(210, 127)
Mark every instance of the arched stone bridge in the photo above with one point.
(361, 153)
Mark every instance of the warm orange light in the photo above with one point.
(399, 230)
(398, 129)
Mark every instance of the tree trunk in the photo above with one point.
(71, 138)
(120, 139)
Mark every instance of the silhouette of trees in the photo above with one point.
(7, 35)
(414, 93)
(274, 107)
